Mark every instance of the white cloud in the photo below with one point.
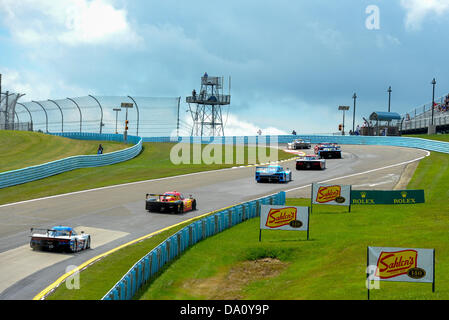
(236, 127)
(419, 10)
(33, 86)
(71, 22)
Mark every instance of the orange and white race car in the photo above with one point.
(169, 202)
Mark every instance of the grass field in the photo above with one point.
(440, 137)
(154, 162)
(20, 149)
(332, 265)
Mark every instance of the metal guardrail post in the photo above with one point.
(31, 117)
(46, 115)
(62, 115)
(101, 109)
(79, 109)
(138, 116)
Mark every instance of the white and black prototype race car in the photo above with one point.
(59, 238)
(310, 162)
(298, 144)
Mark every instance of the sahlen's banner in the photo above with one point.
(387, 196)
(335, 194)
(402, 264)
(284, 218)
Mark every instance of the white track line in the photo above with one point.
(360, 173)
(134, 183)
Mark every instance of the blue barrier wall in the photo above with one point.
(20, 176)
(175, 245)
(15, 177)
(426, 144)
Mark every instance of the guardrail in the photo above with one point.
(20, 176)
(147, 267)
(408, 142)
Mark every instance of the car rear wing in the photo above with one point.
(41, 230)
(159, 196)
(155, 195)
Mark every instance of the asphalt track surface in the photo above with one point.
(116, 215)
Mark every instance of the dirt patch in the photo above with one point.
(406, 176)
(229, 285)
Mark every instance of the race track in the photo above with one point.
(116, 215)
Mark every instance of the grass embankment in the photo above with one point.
(154, 162)
(20, 149)
(332, 265)
(439, 137)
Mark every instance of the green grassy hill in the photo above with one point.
(153, 162)
(332, 265)
(439, 137)
(20, 149)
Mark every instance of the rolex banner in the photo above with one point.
(337, 195)
(387, 196)
(402, 264)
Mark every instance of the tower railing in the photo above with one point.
(210, 99)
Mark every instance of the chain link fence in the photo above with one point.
(149, 116)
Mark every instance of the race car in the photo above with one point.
(310, 162)
(169, 202)
(273, 173)
(59, 238)
(322, 145)
(328, 151)
(298, 144)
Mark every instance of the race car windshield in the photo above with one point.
(58, 233)
(169, 196)
(269, 170)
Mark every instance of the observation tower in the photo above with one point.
(206, 106)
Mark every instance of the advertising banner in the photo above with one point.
(369, 197)
(402, 265)
(336, 195)
(284, 218)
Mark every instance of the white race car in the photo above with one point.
(298, 144)
(59, 238)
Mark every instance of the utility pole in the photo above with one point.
(344, 109)
(389, 105)
(389, 98)
(433, 97)
(126, 106)
(117, 110)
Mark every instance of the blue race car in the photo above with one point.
(273, 173)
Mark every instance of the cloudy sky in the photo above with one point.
(292, 63)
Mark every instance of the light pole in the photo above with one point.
(389, 105)
(433, 96)
(353, 115)
(117, 110)
(343, 108)
(389, 98)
